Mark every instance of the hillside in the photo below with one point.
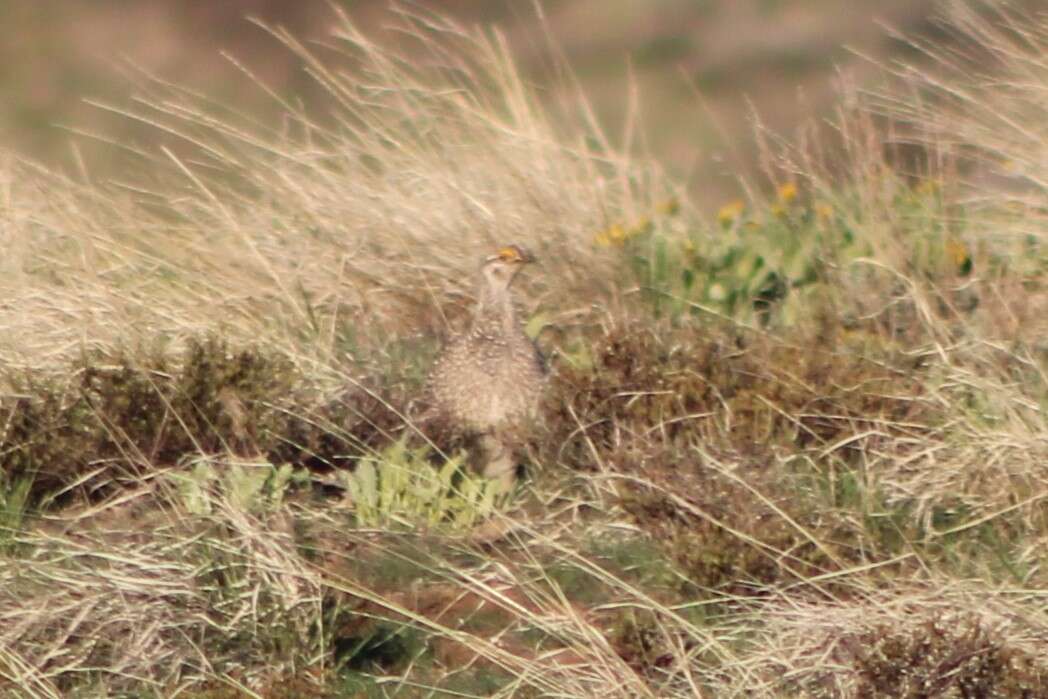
(698, 68)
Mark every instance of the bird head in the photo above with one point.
(500, 269)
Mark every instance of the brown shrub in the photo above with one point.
(652, 388)
(116, 419)
(744, 532)
(943, 657)
(694, 419)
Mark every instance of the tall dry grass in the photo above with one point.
(359, 222)
(965, 131)
(979, 117)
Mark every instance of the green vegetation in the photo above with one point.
(794, 450)
(399, 487)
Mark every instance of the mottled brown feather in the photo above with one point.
(488, 381)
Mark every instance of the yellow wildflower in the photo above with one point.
(823, 211)
(958, 253)
(787, 192)
(614, 234)
(669, 207)
(929, 186)
(730, 212)
(618, 234)
(642, 226)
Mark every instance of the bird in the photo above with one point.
(488, 381)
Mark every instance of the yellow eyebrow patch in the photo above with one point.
(509, 254)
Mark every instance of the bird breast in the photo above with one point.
(490, 383)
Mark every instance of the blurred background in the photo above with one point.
(701, 67)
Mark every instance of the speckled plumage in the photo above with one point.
(489, 380)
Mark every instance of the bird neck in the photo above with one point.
(495, 312)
